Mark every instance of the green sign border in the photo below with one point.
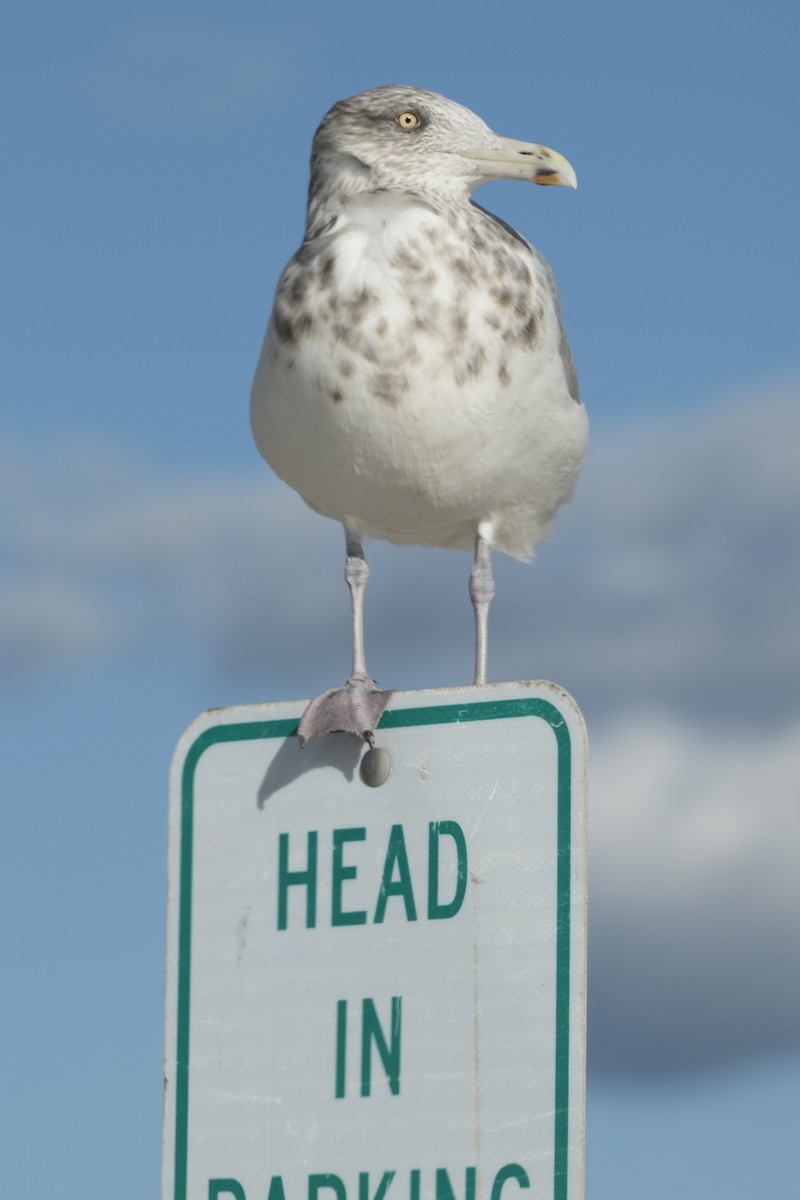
(399, 719)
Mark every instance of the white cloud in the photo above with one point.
(673, 579)
(670, 592)
(49, 622)
(695, 886)
(675, 576)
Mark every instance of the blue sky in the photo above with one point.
(155, 170)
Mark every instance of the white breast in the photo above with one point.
(400, 407)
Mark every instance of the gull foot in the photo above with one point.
(355, 708)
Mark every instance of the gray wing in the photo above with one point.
(564, 350)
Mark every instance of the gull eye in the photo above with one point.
(408, 120)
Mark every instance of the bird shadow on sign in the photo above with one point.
(342, 751)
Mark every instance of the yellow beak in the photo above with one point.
(526, 160)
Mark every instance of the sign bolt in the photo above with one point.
(376, 765)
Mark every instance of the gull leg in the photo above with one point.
(481, 591)
(356, 575)
(358, 706)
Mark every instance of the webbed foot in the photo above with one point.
(355, 708)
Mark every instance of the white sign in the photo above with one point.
(379, 993)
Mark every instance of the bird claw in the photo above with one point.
(355, 708)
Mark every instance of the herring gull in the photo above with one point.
(415, 382)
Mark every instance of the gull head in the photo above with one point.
(401, 138)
